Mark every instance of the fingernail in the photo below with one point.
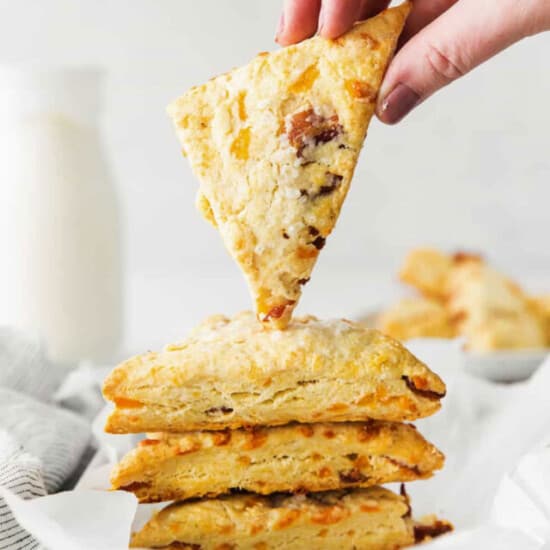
(397, 104)
(280, 26)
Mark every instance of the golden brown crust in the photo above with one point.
(232, 373)
(427, 270)
(415, 318)
(292, 458)
(274, 145)
(371, 518)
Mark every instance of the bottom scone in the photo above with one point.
(373, 519)
(293, 458)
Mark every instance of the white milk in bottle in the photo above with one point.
(60, 236)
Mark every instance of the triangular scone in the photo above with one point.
(231, 373)
(373, 518)
(292, 458)
(274, 145)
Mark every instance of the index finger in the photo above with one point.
(298, 21)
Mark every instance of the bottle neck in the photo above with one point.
(66, 92)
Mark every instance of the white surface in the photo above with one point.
(470, 168)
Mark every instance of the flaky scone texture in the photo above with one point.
(231, 373)
(373, 518)
(292, 458)
(274, 145)
(416, 318)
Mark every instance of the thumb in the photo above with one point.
(464, 36)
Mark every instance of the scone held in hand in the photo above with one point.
(274, 145)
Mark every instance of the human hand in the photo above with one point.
(442, 39)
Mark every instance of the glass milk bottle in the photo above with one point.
(60, 235)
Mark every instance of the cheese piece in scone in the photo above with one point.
(416, 318)
(274, 145)
(291, 458)
(373, 518)
(231, 373)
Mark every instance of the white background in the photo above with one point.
(469, 169)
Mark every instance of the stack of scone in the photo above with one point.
(270, 432)
(276, 439)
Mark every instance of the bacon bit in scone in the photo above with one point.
(313, 231)
(329, 434)
(319, 242)
(307, 382)
(306, 430)
(148, 442)
(361, 90)
(369, 430)
(330, 515)
(333, 182)
(218, 410)
(413, 469)
(324, 472)
(352, 456)
(430, 531)
(125, 403)
(239, 147)
(221, 438)
(420, 388)
(351, 476)
(308, 128)
(286, 235)
(256, 437)
(322, 533)
(303, 282)
(305, 81)
(277, 312)
(287, 519)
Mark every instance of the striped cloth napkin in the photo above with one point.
(41, 444)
